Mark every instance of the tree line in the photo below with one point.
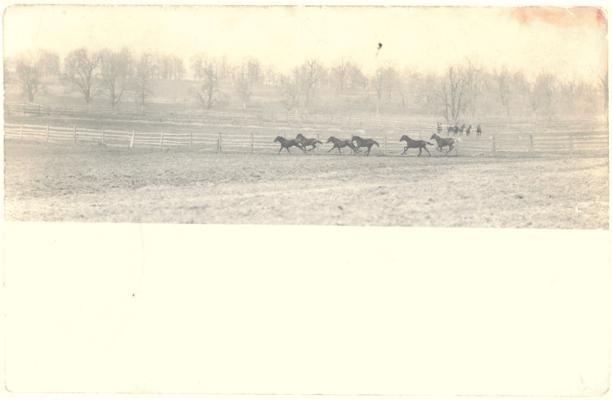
(462, 91)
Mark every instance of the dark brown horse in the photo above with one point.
(307, 141)
(287, 143)
(364, 143)
(340, 144)
(444, 142)
(415, 144)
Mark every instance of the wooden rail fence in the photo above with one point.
(594, 142)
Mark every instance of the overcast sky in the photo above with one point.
(570, 43)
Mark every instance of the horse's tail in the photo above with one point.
(431, 144)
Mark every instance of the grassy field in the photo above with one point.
(46, 182)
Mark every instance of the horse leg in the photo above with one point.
(331, 148)
(427, 151)
(420, 149)
(404, 152)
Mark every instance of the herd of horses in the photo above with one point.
(356, 143)
(459, 130)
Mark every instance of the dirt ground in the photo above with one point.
(94, 183)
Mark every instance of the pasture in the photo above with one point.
(95, 183)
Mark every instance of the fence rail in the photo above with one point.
(594, 142)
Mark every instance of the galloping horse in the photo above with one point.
(287, 143)
(307, 141)
(364, 143)
(443, 142)
(340, 144)
(468, 131)
(478, 130)
(415, 144)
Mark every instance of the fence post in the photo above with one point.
(252, 143)
(530, 143)
(75, 133)
(47, 133)
(132, 139)
(219, 145)
(493, 149)
(385, 145)
(161, 139)
(102, 135)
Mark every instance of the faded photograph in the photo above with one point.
(335, 115)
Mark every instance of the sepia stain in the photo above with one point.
(562, 17)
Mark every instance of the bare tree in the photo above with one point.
(115, 71)
(242, 83)
(427, 98)
(391, 82)
(603, 84)
(48, 63)
(198, 65)
(80, 68)
(457, 91)
(356, 78)
(384, 78)
(474, 87)
(309, 74)
(290, 91)
(271, 77)
(503, 79)
(254, 74)
(208, 91)
(178, 68)
(339, 77)
(8, 70)
(144, 73)
(168, 67)
(402, 83)
(378, 83)
(542, 92)
(28, 75)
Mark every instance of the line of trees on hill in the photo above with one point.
(462, 91)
